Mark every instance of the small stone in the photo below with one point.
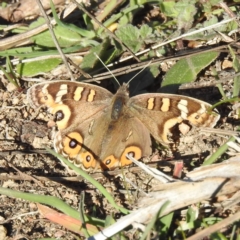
(15, 101)
(11, 87)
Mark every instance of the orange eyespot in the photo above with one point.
(197, 119)
(88, 161)
(46, 99)
(133, 151)
(59, 115)
(72, 144)
(110, 162)
(65, 115)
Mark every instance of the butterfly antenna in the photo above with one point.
(107, 68)
(139, 72)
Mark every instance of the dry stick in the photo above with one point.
(229, 11)
(21, 38)
(26, 177)
(23, 175)
(109, 32)
(139, 66)
(18, 217)
(55, 39)
(219, 131)
(40, 58)
(12, 27)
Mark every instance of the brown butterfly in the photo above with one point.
(97, 129)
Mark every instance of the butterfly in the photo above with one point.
(98, 129)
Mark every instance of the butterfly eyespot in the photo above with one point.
(59, 115)
(110, 162)
(62, 115)
(133, 151)
(88, 161)
(132, 154)
(72, 144)
(88, 158)
(198, 119)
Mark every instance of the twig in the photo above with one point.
(22, 175)
(55, 39)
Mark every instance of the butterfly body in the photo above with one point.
(97, 129)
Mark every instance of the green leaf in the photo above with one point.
(66, 37)
(9, 72)
(145, 31)
(165, 224)
(211, 33)
(218, 236)
(34, 68)
(133, 37)
(90, 60)
(208, 6)
(182, 12)
(168, 8)
(109, 220)
(130, 36)
(151, 224)
(32, 52)
(221, 150)
(236, 66)
(186, 10)
(191, 214)
(236, 87)
(70, 26)
(186, 70)
(123, 18)
(3, 4)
